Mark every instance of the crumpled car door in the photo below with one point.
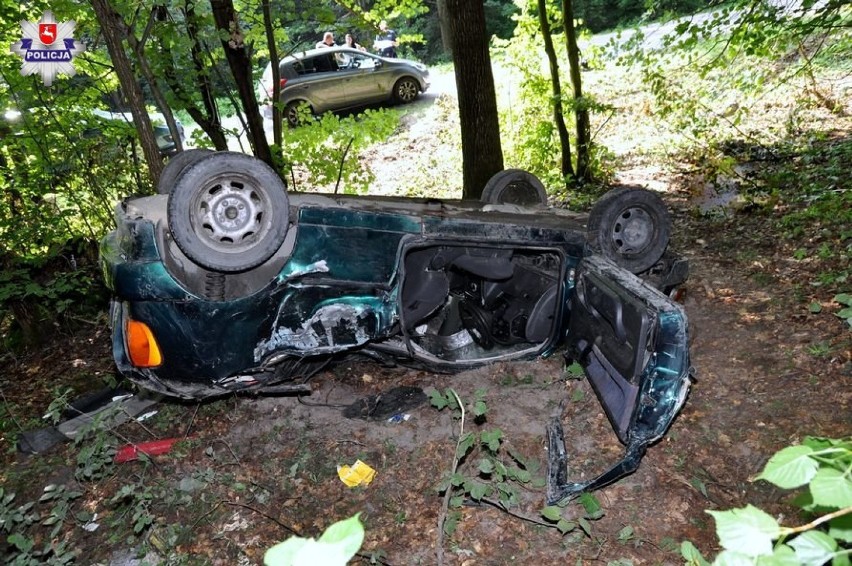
(632, 343)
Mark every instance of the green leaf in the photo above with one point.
(748, 530)
(731, 558)
(437, 399)
(814, 547)
(478, 490)
(347, 536)
(491, 438)
(486, 466)
(479, 408)
(843, 298)
(465, 444)
(625, 534)
(832, 488)
(841, 528)
(815, 307)
(552, 513)
(692, 555)
(565, 526)
(574, 371)
(587, 528)
(457, 479)
(782, 555)
(578, 395)
(19, 541)
(591, 505)
(791, 467)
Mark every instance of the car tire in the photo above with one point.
(292, 112)
(177, 165)
(405, 90)
(229, 212)
(631, 227)
(514, 186)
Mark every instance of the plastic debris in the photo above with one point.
(399, 418)
(358, 474)
(146, 416)
(152, 448)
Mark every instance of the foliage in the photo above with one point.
(337, 544)
(845, 313)
(328, 147)
(529, 134)
(751, 536)
(20, 522)
(488, 469)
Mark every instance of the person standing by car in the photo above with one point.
(327, 40)
(350, 42)
(386, 43)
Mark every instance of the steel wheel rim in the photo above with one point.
(229, 214)
(632, 231)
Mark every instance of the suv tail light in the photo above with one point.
(283, 82)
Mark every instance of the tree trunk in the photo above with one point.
(558, 116)
(113, 30)
(482, 155)
(138, 47)
(238, 60)
(276, 74)
(444, 24)
(581, 113)
(211, 123)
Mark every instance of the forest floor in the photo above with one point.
(250, 472)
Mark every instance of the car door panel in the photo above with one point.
(621, 331)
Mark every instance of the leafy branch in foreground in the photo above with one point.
(752, 536)
(487, 471)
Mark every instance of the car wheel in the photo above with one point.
(405, 90)
(294, 112)
(229, 212)
(514, 186)
(631, 227)
(177, 165)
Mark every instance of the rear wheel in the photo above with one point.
(514, 186)
(229, 212)
(177, 165)
(631, 227)
(295, 112)
(405, 90)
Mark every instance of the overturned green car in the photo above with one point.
(226, 282)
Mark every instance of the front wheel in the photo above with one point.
(631, 227)
(405, 90)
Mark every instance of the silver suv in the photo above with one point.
(337, 78)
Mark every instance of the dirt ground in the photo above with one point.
(251, 471)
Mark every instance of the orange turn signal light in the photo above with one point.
(141, 345)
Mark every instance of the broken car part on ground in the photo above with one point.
(226, 282)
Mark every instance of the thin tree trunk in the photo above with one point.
(558, 116)
(581, 113)
(139, 50)
(227, 23)
(212, 123)
(112, 28)
(444, 26)
(482, 154)
(276, 74)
